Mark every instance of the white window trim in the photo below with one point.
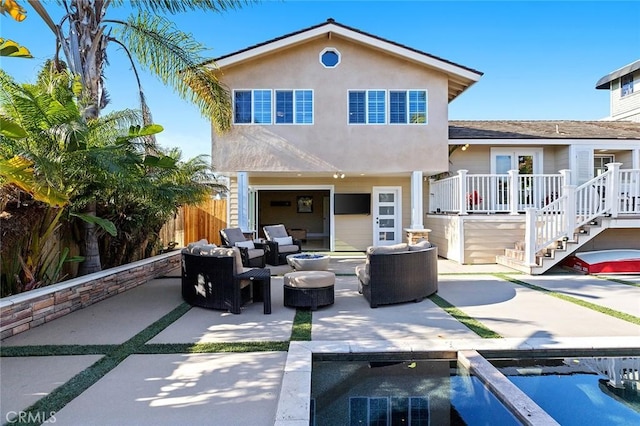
(407, 117)
(295, 107)
(366, 107)
(252, 123)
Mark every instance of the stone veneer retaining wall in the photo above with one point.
(23, 311)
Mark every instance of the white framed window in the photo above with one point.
(367, 106)
(294, 107)
(252, 106)
(626, 85)
(330, 57)
(404, 107)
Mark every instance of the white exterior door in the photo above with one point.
(527, 162)
(387, 215)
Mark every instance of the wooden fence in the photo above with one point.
(193, 223)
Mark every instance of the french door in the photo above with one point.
(387, 215)
(527, 161)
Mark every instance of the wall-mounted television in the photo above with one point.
(352, 203)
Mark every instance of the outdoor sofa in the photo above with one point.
(399, 273)
(214, 277)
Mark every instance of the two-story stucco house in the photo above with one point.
(336, 133)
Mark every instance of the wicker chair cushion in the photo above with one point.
(248, 244)
(309, 279)
(283, 241)
(288, 249)
(233, 235)
(275, 231)
(256, 252)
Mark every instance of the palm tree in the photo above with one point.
(85, 32)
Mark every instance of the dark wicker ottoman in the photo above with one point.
(309, 289)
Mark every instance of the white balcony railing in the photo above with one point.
(554, 208)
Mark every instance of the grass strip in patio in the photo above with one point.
(192, 348)
(56, 350)
(301, 330)
(598, 308)
(471, 323)
(65, 393)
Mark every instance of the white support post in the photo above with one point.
(243, 201)
(514, 191)
(570, 211)
(416, 200)
(530, 237)
(613, 189)
(462, 196)
(566, 177)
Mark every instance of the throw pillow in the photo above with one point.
(248, 244)
(284, 241)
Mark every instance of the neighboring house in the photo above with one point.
(337, 132)
(624, 89)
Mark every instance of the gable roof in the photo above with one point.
(460, 77)
(540, 129)
(605, 82)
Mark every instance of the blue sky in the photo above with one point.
(540, 59)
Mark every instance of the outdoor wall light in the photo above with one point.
(337, 175)
(464, 148)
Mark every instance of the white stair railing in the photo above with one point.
(576, 207)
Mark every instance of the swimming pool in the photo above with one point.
(580, 390)
(296, 404)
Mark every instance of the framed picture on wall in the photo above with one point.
(305, 204)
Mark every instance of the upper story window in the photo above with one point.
(294, 106)
(367, 107)
(330, 57)
(252, 106)
(626, 85)
(257, 106)
(405, 107)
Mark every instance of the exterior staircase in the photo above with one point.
(554, 253)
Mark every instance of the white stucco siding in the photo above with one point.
(331, 143)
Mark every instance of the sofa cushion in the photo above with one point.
(224, 251)
(248, 244)
(420, 245)
(395, 248)
(194, 247)
(287, 248)
(363, 274)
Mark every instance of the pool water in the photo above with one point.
(410, 392)
(577, 391)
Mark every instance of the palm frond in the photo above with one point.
(175, 57)
(173, 6)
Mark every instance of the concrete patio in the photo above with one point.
(154, 386)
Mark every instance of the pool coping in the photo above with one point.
(295, 392)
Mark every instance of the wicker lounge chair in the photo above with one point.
(254, 255)
(281, 244)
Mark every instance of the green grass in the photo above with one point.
(604, 310)
(56, 350)
(301, 330)
(192, 348)
(472, 324)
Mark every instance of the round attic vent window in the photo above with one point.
(330, 58)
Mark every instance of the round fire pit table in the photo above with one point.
(308, 261)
